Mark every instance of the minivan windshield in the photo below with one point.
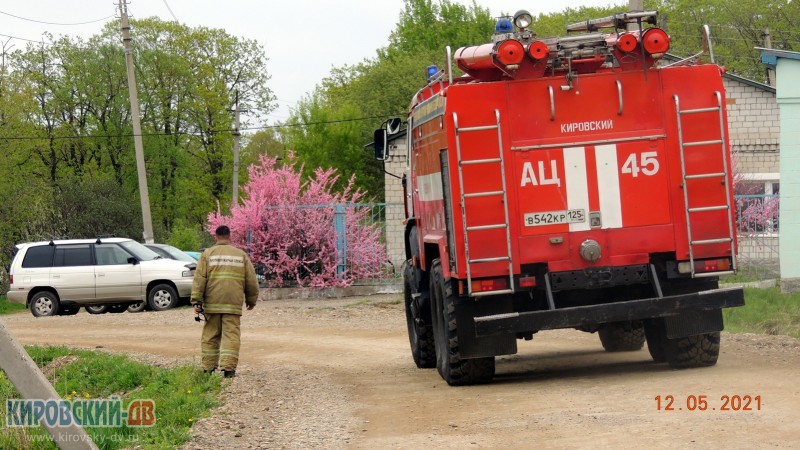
(179, 255)
(138, 250)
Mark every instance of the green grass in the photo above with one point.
(766, 311)
(181, 396)
(7, 308)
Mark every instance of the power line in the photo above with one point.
(325, 122)
(21, 39)
(59, 24)
(226, 130)
(170, 11)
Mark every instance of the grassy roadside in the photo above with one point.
(766, 311)
(181, 396)
(7, 307)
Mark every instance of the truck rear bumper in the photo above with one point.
(675, 305)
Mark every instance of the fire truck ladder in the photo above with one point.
(502, 193)
(722, 175)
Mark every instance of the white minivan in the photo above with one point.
(109, 274)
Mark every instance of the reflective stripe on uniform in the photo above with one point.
(225, 275)
(221, 308)
(225, 260)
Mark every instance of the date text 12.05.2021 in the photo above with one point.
(708, 403)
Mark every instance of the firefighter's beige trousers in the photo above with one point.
(220, 341)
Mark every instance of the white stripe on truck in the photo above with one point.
(577, 184)
(608, 186)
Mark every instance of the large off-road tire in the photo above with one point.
(622, 337)
(420, 329)
(655, 335)
(96, 309)
(162, 297)
(44, 304)
(701, 350)
(453, 369)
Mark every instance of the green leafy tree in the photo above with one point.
(67, 113)
(95, 207)
(324, 131)
(737, 27)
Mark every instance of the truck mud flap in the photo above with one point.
(691, 323)
(678, 311)
(472, 345)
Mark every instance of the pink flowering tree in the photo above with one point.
(288, 227)
(755, 212)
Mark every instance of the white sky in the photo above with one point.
(303, 39)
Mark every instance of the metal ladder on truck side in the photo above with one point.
(722, 175)
(466, 195)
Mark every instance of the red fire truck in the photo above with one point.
(567, 182)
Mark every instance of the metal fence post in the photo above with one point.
(339, 224)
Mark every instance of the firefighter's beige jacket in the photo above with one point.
(223, 280)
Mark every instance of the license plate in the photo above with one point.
(555, 217)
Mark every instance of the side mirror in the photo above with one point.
(380, 139)
(132, 260)
(393, 125)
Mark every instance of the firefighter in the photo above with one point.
(224, 280)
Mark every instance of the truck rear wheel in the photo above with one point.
(420, 330)
(453, 369)
(622, 337)
(655, 335)
(700, 350)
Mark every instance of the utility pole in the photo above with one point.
(144, 195)
(635, 5)
(236, 140)
(768, 44)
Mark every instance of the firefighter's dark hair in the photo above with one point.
(222, 231)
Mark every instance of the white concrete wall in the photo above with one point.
(396, 164)
(754, 127)
(788, 72)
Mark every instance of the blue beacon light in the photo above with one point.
(432, 70)
(503, 25)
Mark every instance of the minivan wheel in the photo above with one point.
(137, 307)
(96, 309)
(117, 309)
(44, 304)
(68, 310)
(161, 297)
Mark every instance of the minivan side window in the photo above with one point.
(110, 254)
(73, 255)
(38, 256)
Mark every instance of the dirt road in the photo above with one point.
(338, 374)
